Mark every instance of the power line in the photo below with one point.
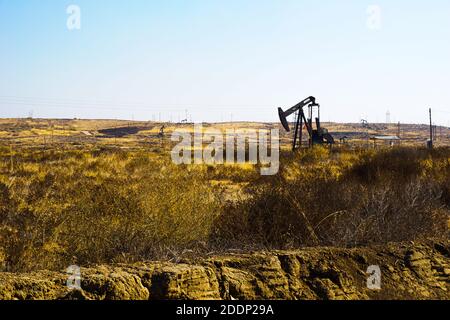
(114, 105)
(71, 106)
(443, 111)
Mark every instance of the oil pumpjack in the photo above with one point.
(318, 135)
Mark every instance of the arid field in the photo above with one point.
(105, 192)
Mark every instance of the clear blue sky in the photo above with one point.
(139, 58)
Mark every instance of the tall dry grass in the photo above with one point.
(343, 199)
(107, 205)
(83, 208)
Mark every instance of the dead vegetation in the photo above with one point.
(105, 205)
(346, 200)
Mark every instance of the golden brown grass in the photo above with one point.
(82, 206)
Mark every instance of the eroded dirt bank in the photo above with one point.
(408, 271)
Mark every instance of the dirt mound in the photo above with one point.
(408, 271)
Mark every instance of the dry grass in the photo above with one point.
(343, 199)
(60, 207)
(83, 207)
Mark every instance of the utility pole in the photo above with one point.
(430, 145)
